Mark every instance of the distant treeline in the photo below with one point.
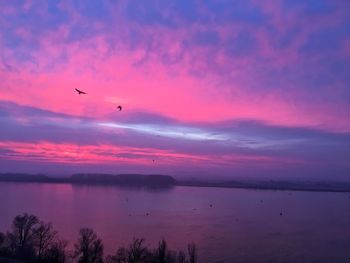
(31, 240)
(290, 185)
(137, 180)
(166, 181)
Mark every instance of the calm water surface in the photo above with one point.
(241, 226)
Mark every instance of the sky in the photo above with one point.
(209, 89)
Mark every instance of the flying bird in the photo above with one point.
(80, 92)
(119, 107)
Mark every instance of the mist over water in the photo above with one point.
(226, 224)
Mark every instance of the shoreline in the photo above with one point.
(304, 187)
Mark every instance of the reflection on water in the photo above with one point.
(226, 224)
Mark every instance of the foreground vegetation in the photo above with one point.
(31, 240)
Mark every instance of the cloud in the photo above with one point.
(311, 7)
(61, 138)
(241, 45)
(229, 80)
(148, 14)
(205, 38)
(236, 11)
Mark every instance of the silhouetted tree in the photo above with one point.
(120, 257)
(192, 252)
(2, 238)
(2, 244)
(55, 253)
(44, 238)
(137, 252)
(163, 254)
(21, 239)
(36, 242)
(89, 248)
(181, 257)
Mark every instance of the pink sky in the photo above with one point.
(226, 85)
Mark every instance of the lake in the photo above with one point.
(228, 225)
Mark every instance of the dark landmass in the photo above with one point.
(166, 181)
(128, 180)
(153, 180)
(316, 186)
(20, 177)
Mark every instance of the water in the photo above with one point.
(241, 226)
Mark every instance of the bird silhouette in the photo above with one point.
(119, 107)
(80, 92)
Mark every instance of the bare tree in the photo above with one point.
(192, 252)
(22, 237)
(162, 254)
(137, 251)
(120, 257)
(56, 253)
(181, 257)
(2, 241)
(36, 241)
(89, 248)
(45, 236)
